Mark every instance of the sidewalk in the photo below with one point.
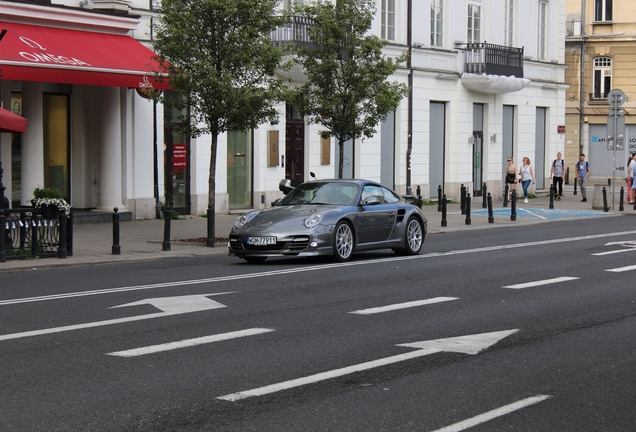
(143, 240)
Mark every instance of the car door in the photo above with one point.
(375, 221)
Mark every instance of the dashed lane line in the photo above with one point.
(541, 282)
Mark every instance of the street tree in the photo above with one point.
(219, 59)
(347, 89)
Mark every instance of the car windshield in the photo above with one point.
(322, 193)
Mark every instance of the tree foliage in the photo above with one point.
(218, 53)
(347, 91)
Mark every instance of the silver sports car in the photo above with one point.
(330, 217)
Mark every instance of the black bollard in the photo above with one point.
(210, 215)
(116, 249)
(506, 189)
(62, 252)
(35, 223)
(576, 182)
(462, 193)
(513, 205)
(3, 222)
(483, 194)
(620, 205)
(551, 197)
(439, 198)
(444, 223)
(491, 219)
(605, 208)
(167, 220)
(468, 209)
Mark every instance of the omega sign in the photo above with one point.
(42, 57)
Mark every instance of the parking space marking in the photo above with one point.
(490, 415)
(189, 342)
(541, 282)
(622, 269)
(403, 305)
(539, 213)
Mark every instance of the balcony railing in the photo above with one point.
(598, 97)
(292, 33)
(484, 58)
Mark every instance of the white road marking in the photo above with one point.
(614, 252)
(189, 342)
(541, 282)
(169, 305)
(532, 213)
(403, 305)
(483, 418)
(622, 269)
(308, 269)
(470, 344)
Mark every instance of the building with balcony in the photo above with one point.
(600, 53)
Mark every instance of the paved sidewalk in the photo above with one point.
(143, 240)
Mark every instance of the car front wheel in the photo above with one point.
(342, 242)
(413, 239)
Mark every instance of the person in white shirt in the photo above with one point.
(557, 172)
(527, 175)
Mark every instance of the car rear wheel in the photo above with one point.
(255, 260)
(413, 239)
(342, 242)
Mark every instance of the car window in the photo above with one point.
(372, 191)
(389, 196)
(334, 193)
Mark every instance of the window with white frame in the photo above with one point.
(437, 21)
(509, 22)
(474, 23)
(603, 10)
(388, 20)
(602, 76)
(541, 29)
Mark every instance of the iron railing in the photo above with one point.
(490, 59)
(598, 97)
(35, 233)
(293, 33)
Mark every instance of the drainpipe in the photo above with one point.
(582, 78)
(409, 148)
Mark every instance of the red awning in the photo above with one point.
(57, 55)
(10, 122)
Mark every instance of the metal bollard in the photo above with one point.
(444, 222)
(462, 193)
(513, 205)
(483, 194)
(576, 182)
(620, 205)
(491, 219)
(506, 189)
(62, 252)
(116, 249)
(3, 222)
(439, 198)
(468, 209)
(605, 208)
(551, 206)
(167, 219)
(210, 215)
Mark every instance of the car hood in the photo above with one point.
(283, 216)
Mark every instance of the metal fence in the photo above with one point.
(491, 59)
(35, 233)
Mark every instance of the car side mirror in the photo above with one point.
(372, 200)
(276, 202)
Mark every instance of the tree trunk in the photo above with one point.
(212, 192)
(341, 158)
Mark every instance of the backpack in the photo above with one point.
(578, 165)
(554, 163)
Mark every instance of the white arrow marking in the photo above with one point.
(170, 305)
(189, 342)
(541, 282)
(483, 418)
(403, 305)
(622, 269)
(464, 344)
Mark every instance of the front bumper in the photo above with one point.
(301, 244)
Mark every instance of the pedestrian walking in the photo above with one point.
(557, 172)
(582, 170)
(630, 178)
(511, 176)
(526, 174)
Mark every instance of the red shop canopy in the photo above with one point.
(10, 122)
(57, 55)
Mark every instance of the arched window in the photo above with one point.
(602, 76)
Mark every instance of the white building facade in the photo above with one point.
(472, 105)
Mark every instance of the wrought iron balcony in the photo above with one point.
(292, 33)
(598, 97)
(490, 59)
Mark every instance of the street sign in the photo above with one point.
(616, 97)
(616, 112)
(615, 132)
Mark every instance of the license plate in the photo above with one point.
(261, 241)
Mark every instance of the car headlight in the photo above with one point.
(313, 220)
(244, 219)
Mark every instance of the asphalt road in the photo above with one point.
(382, 343)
